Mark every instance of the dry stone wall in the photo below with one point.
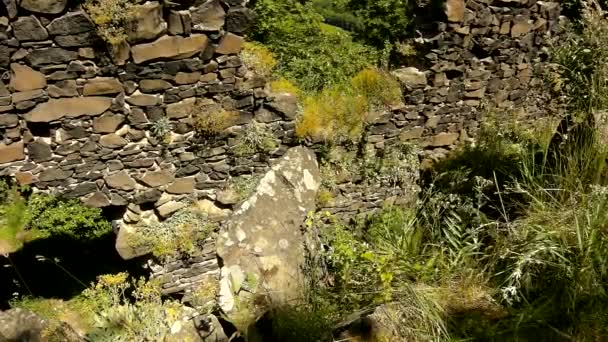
(83, 120)
(486, 57)
(79, 118)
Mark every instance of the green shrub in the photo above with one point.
(383, 20)
(310, 53)
(52, 216)
(13, 218)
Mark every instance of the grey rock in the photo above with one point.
(70, 23)
(44, 6)
(239, 20)
(39, 151)
(29, 28)
(293, 182)
(50, 56)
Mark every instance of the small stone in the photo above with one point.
(75, 40)
(29, 28)
(208, 16)
(454, 9)
(51, 56)
(169, 208)
(11, 153)
(97, 200)
(187, 77)
(181, 109)
(239, 20)
(107, 123)
(230, 44)
(152, 86)
(44, 6)
(112, 141)
(54, 173)
(70, 23)
(411, 77)
(157, 178)
(9, 120)
(174, 47)
(39, 151)
(140, 99)
(65, 88)
(120, 180)
(27, 95)
(102, 86)
(414, 133)
(175, 23)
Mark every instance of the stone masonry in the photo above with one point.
(78, 118)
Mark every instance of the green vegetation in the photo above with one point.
(340, 113)
(41, 216)
(213, 122)
(256, 137)
(308, 52)
(178, 235)
(111, 17)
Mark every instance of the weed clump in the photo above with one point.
(340, 113)
(258, 58)
(211, 121)
(111, 17)
(178, 235)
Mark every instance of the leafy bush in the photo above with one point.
(68, 218)
(310, 53)
(383, 20)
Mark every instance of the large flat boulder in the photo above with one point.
(262, 243)
(173, 47)
(56, 109)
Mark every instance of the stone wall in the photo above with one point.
(79, 119)
(485, 57)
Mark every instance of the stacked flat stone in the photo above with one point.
(76, 116)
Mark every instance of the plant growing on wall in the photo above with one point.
(111, 18)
